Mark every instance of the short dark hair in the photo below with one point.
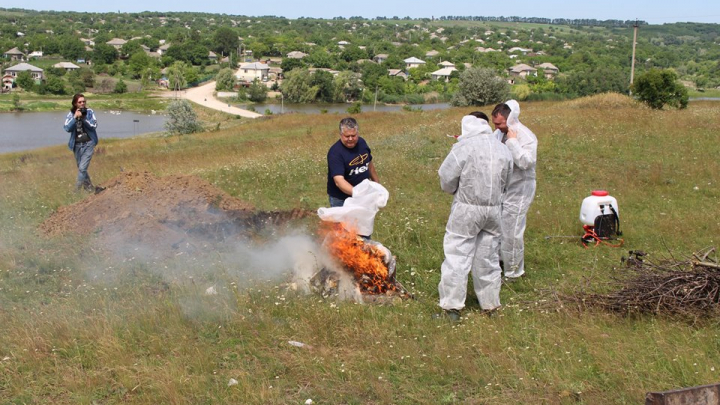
(480, 114)
(348, 123)
(501, 109)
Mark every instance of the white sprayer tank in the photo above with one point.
(590, 208)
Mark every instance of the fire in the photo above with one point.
(365, 261)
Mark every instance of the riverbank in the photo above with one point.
(142, 102)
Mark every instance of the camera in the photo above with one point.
(83, 111)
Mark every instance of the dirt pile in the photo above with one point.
(164, 215)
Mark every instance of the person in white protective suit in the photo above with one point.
(476, 171)
(522, 144)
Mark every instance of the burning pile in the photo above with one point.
(670, 287)
(370, 264)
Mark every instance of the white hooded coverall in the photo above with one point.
(519, 194)
(476, 171)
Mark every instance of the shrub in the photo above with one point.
(660, 87)
(181, 118)
(480, 86)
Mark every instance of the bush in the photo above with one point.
(480, 86)
(182, 118)
(120, 87)
(225, 80)
(356, 108)
(257, 92)
(660, 87)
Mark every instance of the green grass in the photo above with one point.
(81, 328)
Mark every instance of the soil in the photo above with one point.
(165, 215)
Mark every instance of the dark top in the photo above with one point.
(353, 164)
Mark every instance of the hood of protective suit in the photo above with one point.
(473, 126)
(514, 117)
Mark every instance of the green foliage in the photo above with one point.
(182, 119)
(225, 41)
(356, 108)
(602, 79)
(347, 86)
(104, 54)
(520, 92)
(138, 63)
(297, 87)
(480, 86)
(52, 85)
(289, 64)
(257, 92)
(660, 87)
(25, 81)
(176, 75)
(323, 81)
(16, 102)
(225, 80)
(120, 87)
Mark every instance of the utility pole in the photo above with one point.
(632, 63)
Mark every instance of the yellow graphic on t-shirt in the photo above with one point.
(360, 159)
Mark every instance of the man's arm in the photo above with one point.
(449, 173)
(373, 173)
(343, 185)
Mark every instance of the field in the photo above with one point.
(81, 325)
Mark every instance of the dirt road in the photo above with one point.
(203, 95)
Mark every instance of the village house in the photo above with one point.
(35, 55)
(381, 57)
(35, 72)
(251, 71)
(443, 74)
(397, 73)
(413, 62)
(431, 54)
(162, 49)
(116, 43)
(296, 55)
(212, 56)
(87, 42)
(68, 66)
(446, 64)
(14, 54)
(522, 70)
(549, 70)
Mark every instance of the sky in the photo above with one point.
(653, 12)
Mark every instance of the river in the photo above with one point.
(31, 130)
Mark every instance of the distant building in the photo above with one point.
(549, 70)
(68, 66)
(116, 43)
(522, 70)
(296, 55)
(251, 71)
(35, 72)
(14, 54)
(443, 74)
(413, 62)
(380, 58)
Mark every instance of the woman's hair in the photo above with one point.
(74, 101)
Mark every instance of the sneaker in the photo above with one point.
(99, 189)
(510, 280)
(453, 315)
(491, 312)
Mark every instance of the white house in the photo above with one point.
(430, 54)
(163, 48)
(443, 74)
(252, 71)
(413, 62)
(381, 57)
(68, 66)
(446, 64)
(35, 71)
(35, 54)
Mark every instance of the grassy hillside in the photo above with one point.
(79, 326)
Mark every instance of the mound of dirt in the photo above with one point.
(162, 215)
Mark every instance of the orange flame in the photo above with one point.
(363, 260)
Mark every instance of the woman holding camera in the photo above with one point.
(82, 124)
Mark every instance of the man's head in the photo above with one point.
(349, 130)
(480, 114)
(500, 114)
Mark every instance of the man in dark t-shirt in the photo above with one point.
(349, 163)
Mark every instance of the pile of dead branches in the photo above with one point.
(669, 287)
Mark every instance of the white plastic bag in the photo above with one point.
(359, 210)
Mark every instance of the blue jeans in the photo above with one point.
(336, 202)
(83, 154)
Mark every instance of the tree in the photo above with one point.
(297, 87)
(480, 86)
(104, 54)
(53, 85)
(289, 64)
(257, 91)
(324, 82)
(181, 118)
(25, 81)
(138, 62)
(225, 40)
(176, 75)
(660, 87)
(120, 87)
(225, 80)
